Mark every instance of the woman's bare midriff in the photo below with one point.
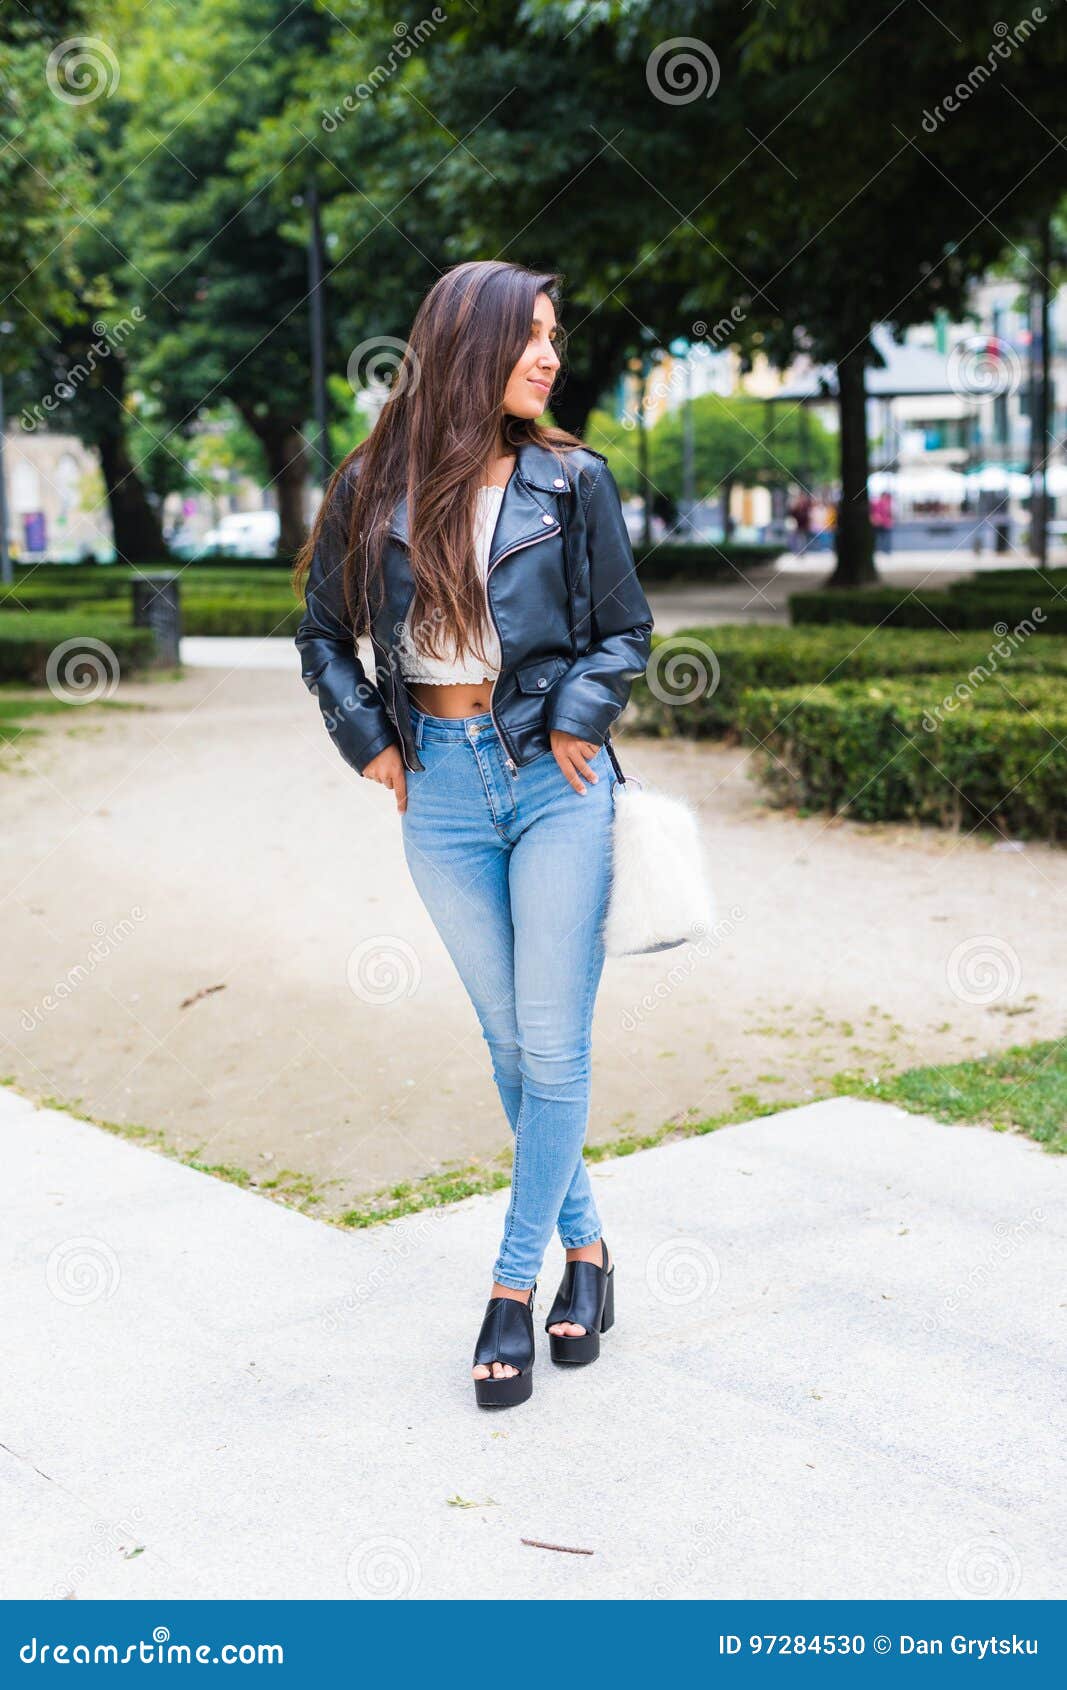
(461, 698)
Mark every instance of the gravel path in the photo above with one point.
(210, 932)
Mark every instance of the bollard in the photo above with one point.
(156, 605)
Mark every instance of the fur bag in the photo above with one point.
(660, 896)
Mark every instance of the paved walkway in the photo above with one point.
(836, 1372)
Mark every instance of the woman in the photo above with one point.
(507, 629)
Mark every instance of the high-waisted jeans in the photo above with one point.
(514, 871)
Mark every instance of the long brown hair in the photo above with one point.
(434, 437)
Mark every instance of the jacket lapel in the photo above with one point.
(523, 508)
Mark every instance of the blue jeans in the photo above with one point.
(514, 871)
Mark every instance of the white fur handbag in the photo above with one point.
(660, 895)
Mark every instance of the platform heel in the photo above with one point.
(507, 1336)
(586, 1297)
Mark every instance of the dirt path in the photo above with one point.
(210, 931)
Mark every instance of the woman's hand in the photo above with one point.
(572, 753)
(388, 768)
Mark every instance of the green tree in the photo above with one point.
(823, 168)
(735, 443)
(426, 155)
(224, 281)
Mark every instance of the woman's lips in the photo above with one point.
(543, 385)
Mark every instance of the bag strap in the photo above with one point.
(608, 747)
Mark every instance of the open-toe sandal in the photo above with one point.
(586, 1297)
(507, 1336)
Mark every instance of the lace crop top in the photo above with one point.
(417, 665)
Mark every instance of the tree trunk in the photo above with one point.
(286, 453)
(854, 539)
(726, 493)
(135, 526)
(572, 404)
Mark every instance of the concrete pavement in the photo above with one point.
(836, 1371)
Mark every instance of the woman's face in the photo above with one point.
(530, 382)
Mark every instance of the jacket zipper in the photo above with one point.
(508, 759)
(500, 732)
(392, 677)
(392, 681)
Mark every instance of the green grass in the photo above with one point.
(16, 705)
(14, 708)
(1023, 1089)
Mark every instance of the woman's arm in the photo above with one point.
(596, 687)
(352, 707)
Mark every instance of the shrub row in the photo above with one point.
(158, 563)
(28, 642)
(666, 562)
(893, 751)
(966, 607)
(57, 588)
(994, 581)
(673, 697)
(252, 616)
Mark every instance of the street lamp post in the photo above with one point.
(7, 568)
(681, 350)
(317, 323)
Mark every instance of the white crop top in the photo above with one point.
(417, 665)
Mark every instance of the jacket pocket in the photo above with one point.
(541, 674)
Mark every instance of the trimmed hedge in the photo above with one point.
(219, 602)
(668, 562)
(968, 607)
(751, 655)
(996, 581)
(159, 563)
(27, 641)
(251, 616)
(894, 752)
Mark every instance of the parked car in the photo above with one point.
(242, 534)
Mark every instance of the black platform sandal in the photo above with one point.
(507, 1336)
(586, 1296)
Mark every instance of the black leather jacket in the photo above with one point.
(545, 681)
